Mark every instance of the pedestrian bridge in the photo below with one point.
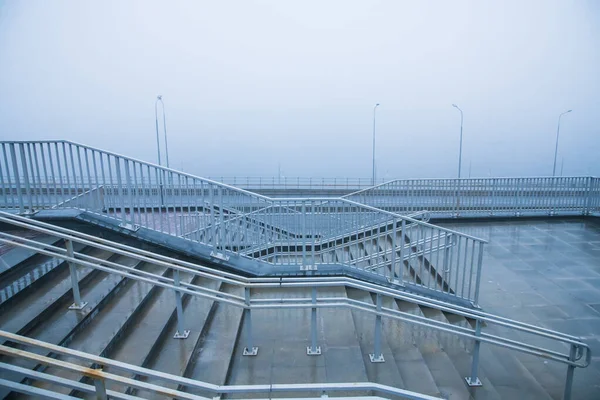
(356, 295)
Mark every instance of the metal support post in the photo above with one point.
(478, 276)
(250, 349)
(77, 303)
(313, 349)
(13, 157)
(181, 333)
(570, 372)
(393, 274)
(377, 356)
(100, 389)
(473, 380)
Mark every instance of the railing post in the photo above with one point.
(181, 333)
(313, 350)
(570, 372)
(587, 208)
(303, 234)
(478, 276)
(100, 389)
(13, 156)
(402, 243)
(77, 303)
(377, 356)
(250, 349)
(393, 260)
(26, 176)
(473, 380)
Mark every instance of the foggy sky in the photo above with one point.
(250, 85)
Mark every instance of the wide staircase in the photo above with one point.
(126, 311)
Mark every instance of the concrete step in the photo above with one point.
(411, 365)
(460, 352)
(174, 355)
(387, 372)
(100, 334)
(139, 342)
(50, 292)
(11, 255)
(282, 337)
(449, 381)
(25, 277)
(62, 324)
(213, 355)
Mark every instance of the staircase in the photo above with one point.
(134, 322)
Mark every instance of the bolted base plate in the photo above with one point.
(130, 227)
(476, 383)
(252, 352)
(78, 306)
(378, 359)
(183, 335)
(315, 352)
(219, 256)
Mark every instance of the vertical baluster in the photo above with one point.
(120, 190)
(313, 349)
(145, 197)
(181, 333)
(106, 190)
(478, 275)
(39, 194)
(473, 380)
(250, 349)
(100, 386)
(26, 177)
(377, 355)
(113, 192)
(9, 185)
(570, 373)
(77, 303)
(76, 200)
(92, 191)
(83, 191)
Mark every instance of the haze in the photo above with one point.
(253, 85)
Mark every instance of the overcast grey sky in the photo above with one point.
(249, 85)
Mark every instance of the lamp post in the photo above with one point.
(374, 113)
(460, 146)
(159, 98)
(556, 148)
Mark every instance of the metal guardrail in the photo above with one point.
(58, 175)
(297, 183)
(487, 197)
(579, 354)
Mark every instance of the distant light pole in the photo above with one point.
(374, 113)
(556, 148)
(159, 98)
(460, 147)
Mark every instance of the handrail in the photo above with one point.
(248, 283)
(99, 374)
(260, 282)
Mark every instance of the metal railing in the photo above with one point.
(526, 341)
(486, 197)
(122, 372)
(302, 233)
(274, 183)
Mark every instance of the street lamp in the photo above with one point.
(460, 147)
(374, 109)
(159, 98)
(556, 148)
